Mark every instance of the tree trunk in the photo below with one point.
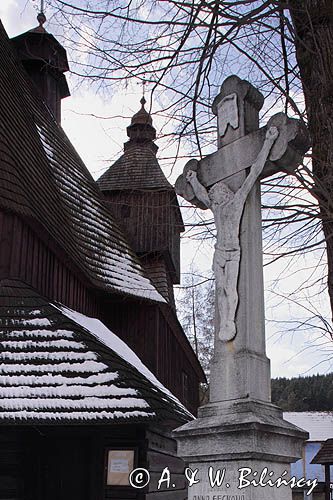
(313, 24)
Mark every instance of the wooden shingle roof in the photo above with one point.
(59, 366)
(42, 177)
(137, 169)
(325, 454)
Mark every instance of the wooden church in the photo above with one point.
(95, 368)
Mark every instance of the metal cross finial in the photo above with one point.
(143, 82)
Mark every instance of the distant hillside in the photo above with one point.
(304, 393)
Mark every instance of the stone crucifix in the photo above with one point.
(227, 208)
(227, 182)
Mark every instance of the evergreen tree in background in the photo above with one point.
(312, 393)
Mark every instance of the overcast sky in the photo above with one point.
(99, 141)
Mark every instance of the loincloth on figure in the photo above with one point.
(224, 255)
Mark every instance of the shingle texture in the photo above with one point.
(53, 369)
(136, 169)
(42, 177)
(325, 454)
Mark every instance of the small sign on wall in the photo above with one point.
(120, 464)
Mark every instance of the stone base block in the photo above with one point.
(245, 441)
(240, 480)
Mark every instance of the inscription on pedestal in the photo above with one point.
(243, 482)
(218, 497)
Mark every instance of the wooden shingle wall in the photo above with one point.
(26, 256)
(157, 338)
(62, 463)
(161, 453)
(149, 219)
(11, 481)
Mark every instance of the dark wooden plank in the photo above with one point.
(157, 461)
(167, 495)
(160, 443)
(6, 235)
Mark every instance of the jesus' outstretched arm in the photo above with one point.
(199, 190)
(258, 166)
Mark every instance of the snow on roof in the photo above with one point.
(103, 334)
(59, 366)
(319, 424)
(43, 178)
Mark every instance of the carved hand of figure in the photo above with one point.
(272, 133)
(191, 175)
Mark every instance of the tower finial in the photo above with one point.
(143, 102)
(143, 82)
(41, 16)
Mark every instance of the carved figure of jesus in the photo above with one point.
(227, 208)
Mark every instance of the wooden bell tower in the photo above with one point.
(145, 204)
(45, 61)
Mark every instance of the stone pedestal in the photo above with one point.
(240, 441)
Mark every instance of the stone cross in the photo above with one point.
(227, 182)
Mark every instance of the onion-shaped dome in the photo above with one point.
(141, 128)
(142, 116)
